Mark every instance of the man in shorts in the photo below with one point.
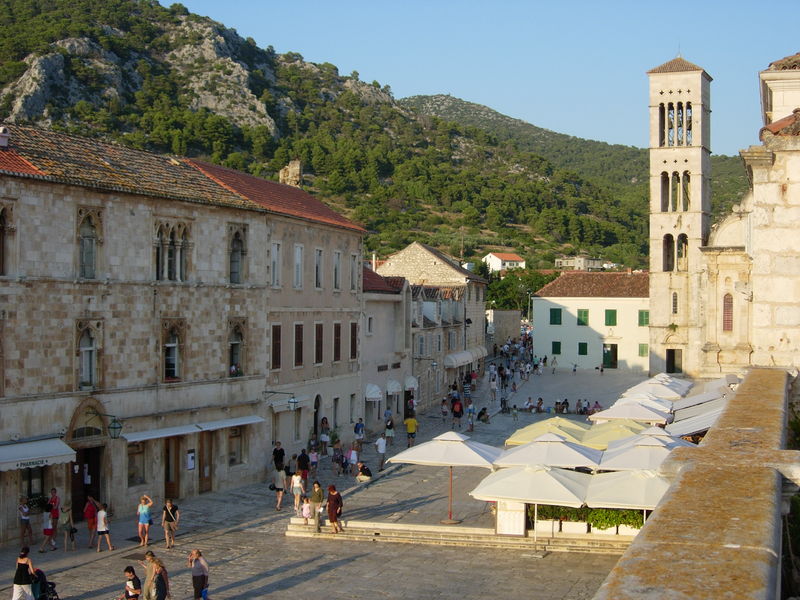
(380, 448)
(411, 429)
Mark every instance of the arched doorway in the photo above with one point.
(90, 473)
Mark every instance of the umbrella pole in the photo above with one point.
(535, 519)
(450, 520)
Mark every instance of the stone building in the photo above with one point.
(448, 317)
(592, 319)
(723, 297)
(162, 322)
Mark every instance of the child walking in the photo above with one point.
(306, 510)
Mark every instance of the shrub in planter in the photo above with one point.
(604, 518)
(631, 518)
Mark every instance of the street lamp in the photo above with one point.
(114, 428)
(293, 402)
(434, 364)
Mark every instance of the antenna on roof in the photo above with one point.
(679, 51)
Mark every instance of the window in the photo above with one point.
(172, 366)
(438, 342)
(727, 312)
(172, 251)
(136, 464)
(611, 318)
(674, 303)
(337, 270)
(370, 321)
(235, 446)
(298, 414)
(555, 316)
(451, 340)
(583, 348)
(318, 341)
(87, 354)
(353, 272)
(681, 251)
(335, 413)
(555, 348)
(421, 343)
(235, 351)
(644, 318)
(668, 253)
(298, 345)
(275, 359)
(318, 268)
(353, 409)
(644, 350)
(298, 266)
(353, 341)
(583, 317)
(337, 342)
(236, 256)
(88, 246)
(3, 235)
(275, 264)
(32, 482)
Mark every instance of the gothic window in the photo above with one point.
(236, 350)
(87, 356)
(236, 258)
(172, 257)
(668, 253)
(664, 191)
(727, 312)
(172, 350)
(183, 256)
(681, 252)
(88, 245)
(674, 303)
(686, 181)
(160, 254)
(171, 252)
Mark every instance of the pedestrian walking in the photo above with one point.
(149, 565)
(389, 431)
(145, 520)
(170, 517)
(47, 530)
(160, 580)
(444, 410)
(338, 461)
(133, 585)
(24, 513)
(298, 489)
(303, 465)
(458, 412)
(102, 527)
(380, 448)
(67, 525)
(23, 576)
(411, 429)
(55, 511)
(313, 462)
(324, 436)
(335, 506)
(278, 483)
(358, 432)
(199, 567)
(352, 458)
(90, 516)
(306, 510)
(278, 456)
(514, 413)
(554, 364)
(317, 500)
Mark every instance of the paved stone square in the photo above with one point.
(242, 535)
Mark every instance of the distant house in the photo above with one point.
(579, 263)
(502, 261)
(593, 319)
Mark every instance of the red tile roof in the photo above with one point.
(11, 162)
(507, 256)
(787, 63)
(374, 283)
(677, 65)
(275, 197)
(786, 126)
(583, 284)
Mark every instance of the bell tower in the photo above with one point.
(680, 207)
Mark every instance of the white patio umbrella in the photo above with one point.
(658, 389)
(449, 449)
(634, 412)
(645, 453)
(551, 450)
(640, 490)
(680, 385)
(659, 404)
(534, 485)
(658, 433)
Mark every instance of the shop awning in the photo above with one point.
(234, 422)
(479, 352)
(412, 383)
(458, 359)
(25, 455)
(164, 432)
(694, 425)
(393, 387)
(373, 392)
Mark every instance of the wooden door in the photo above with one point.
(172, 471)
(206, 460)
(85, 478)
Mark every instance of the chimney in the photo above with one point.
(4, 137)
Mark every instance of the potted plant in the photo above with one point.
(546, 518)
(630, 522)
(604, 521)
(573, 520)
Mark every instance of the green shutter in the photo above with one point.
(583, 348)
(555, 316)
(556, 348)
(644, 318)
(611, 318)
(644, 350)
(583, 317)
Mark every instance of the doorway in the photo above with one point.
(674, 361)
(408, 404)
(172, 461)
(317, 401)
(206, 460)
(609, 356)
(85, 478)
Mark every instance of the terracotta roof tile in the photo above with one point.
(275, 197)
(787, 63)
(11, 162)
(583, 284)
(786, 126)
(507, 256)
(396, 282)
(62, 158)
(677, 65)
(374, 283)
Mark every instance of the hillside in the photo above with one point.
(170, 81)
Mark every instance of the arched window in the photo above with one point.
(88, 245)
(686, 181)
(183, 256)
(670, 124)
(160, 249)
(172, 356)
(661, 119)
(688, 123)
(237, 246)
(682, 249)
(727, 312)
(668, 253)
(680, 123)
(172, 257)
(87, 356)
(674, 303)
(235, 352)
(664, 191)
(675, 189)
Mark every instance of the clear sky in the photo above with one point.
(572, 66)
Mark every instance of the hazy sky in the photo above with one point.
(572, 66)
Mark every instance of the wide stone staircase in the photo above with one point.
(443, 535)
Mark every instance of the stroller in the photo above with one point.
(43, 589)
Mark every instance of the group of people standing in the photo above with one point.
(157, 584)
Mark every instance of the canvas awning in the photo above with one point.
(234, 422)
(393, 387)
(26, 455)
(458, 359)
(700, 409)
(695, 424)
(372, 392)
(412, 383)
(164, 432)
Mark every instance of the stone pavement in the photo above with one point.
(243, 536)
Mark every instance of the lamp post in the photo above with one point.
(114, 428)
(293, 401)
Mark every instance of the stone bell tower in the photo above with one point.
(680, 207)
